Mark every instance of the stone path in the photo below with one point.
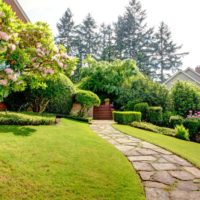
(164, 175)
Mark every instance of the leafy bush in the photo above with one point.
(143, 108)
(166, 118)
(185, 97)
(154, 128)
(126, 117)
(193, 125)
(87, 99)
(182, 132)
(155, 115)
(175, 120)
(81, 119)
(12, 118)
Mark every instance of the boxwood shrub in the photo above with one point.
(175, 120)
(155, 115)
(126, 117)
(143, 108)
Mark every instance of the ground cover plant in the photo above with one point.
(66, 161)
(185, 149)
(25, 118)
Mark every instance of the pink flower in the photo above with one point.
(60, 64)
(12, 47)
(48, 71)
(4, 36)
(3, 82)
(38, 45)
(12, 77)
(64, 55)
(8, 71)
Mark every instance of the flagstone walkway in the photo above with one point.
(165, 176)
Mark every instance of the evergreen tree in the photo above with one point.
(134, 38)
(65, 30)
(167, 56)
(106, 43)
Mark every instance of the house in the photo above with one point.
(188, 74)
(18, 10)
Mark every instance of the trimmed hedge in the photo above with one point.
(153, 128)
(143, 108)
(166, 118)
(155, 115)
(12, 118)
(126, 117)
(81, 119)
(175, 120)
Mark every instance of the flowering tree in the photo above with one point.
(28, 55)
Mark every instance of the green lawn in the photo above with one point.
(187, 150)
(65, 161)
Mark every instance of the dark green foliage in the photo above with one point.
(87, 99)
(154, 128)
(175, 120)
(181, 132)
(193, 125)
(126, 117)
(185, 97)
(81, 119)
(12, 118)
(143, 108)
(166, 118)
(166, 53)
(155, 115)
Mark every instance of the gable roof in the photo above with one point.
(193, 79)
(18, 10)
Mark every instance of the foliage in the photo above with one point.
(145, 90)
(126, 117)
(175, 120)
(154, 128)
(155, 115)
(185, 97)
(108, 80)
(143, 108)
(193, 125)
(167, 56)
(181, 132)
(81, 119)
(188, 150)
(12, 118)
(87, 99)
(166, 118)
(43, 153)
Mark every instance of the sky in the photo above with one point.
(182, 17)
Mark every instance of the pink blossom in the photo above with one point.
(64, 55)
(38, 45)
(4, 36)
(3, 82)
(12, 47)
(48, 71)
(60, 64)
(8, 71)
(12, 77)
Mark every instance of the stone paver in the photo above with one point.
(165, 176)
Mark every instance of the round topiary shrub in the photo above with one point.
(87, 99)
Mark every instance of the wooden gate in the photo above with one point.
(103, 112)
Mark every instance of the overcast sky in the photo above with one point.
(182, 17)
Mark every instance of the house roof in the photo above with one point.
(18, 10)
(186, 74)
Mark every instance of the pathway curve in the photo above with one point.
(165, 176)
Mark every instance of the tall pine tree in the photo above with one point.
(65, 30)
(167, 55)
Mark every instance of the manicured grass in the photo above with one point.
(65, 161)
(186, 149)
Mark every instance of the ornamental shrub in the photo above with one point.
(87, 99)
(175, 120)
(155, 115)
(143, 108)
(193, 126)
(182, 132)
(185, 97)
(126, 117)
(166, 118)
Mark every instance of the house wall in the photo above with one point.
(180, 77)
(193, 75)
(17, 9)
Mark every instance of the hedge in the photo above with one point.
(175, 120)
(126, 117)
(143, 108)
(155, 115)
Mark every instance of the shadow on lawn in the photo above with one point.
(19, 131)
